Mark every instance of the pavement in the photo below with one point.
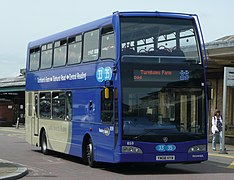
(221, 159)
(12, 170)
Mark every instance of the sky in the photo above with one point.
(23, 21)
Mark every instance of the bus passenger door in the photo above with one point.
(106, 131)
(35, 119)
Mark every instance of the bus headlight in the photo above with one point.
(197, 148)
(131, 149)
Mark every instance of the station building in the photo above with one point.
(220, 54)
(12, 100)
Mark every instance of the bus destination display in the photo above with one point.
(160, 75)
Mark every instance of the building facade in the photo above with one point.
(12, 100)
(221, 54)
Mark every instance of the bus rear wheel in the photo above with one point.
(90, 154)
(44, 148)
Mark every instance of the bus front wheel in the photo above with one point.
(90, 154)
(44, 148)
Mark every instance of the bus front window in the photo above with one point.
(163, 82)
(167, 40)
(161, 100)
(151, 112)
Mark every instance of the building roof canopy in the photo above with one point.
(220, 53)
(12, 84)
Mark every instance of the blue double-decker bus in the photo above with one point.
(128, 88)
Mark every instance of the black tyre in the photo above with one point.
(44, 148)
(90, 154)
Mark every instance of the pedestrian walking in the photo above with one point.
(216, 129)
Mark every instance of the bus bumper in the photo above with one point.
(161, 158)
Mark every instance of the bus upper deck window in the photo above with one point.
(46, 56)
(108, 43)
(74, 49)
(34, 59)
(60, 53)
(91, 46)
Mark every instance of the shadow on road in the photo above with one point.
(148, 169)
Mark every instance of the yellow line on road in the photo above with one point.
(231, 166)
(221, 155)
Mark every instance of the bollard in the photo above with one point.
(17, 123)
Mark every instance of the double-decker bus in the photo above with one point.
(128, 88)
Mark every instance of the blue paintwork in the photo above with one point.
(61, 78)
(150, 152)
(82, 80)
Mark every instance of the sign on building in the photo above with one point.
(229, 76)
(228, 81)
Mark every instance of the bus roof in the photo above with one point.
(156, 14)
(103, 22)
(73, 31)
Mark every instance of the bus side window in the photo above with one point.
(45, 105)
(74, 50)
(58, 105)
(91, 46)
(68, 97)
(60, 53)
(36, 106)
(46, 56)
(107, 106)
(34, 59)
(108, 43)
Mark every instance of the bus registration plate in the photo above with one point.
(165, 158)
